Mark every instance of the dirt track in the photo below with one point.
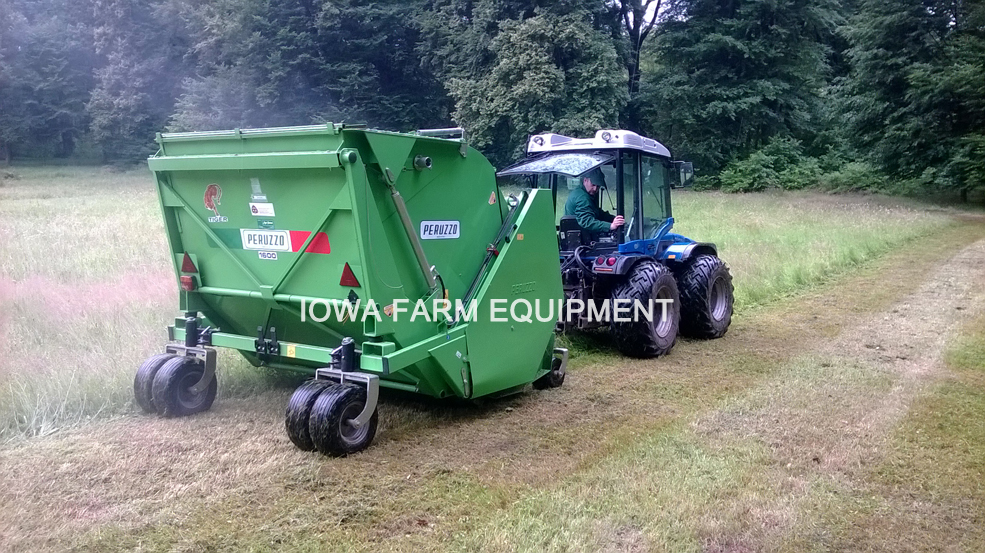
(787, 376)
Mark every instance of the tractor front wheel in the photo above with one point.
(172, 388)
(706, 297)
(639, 337)
(330, 424)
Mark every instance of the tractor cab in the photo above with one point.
(634, 175)
(605, 265)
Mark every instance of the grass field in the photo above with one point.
(87, 288)
(810, 426)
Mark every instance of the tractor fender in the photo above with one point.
(624, 264)
(683, 251)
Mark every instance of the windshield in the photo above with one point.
(570, 164)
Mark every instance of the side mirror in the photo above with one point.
(685, 171)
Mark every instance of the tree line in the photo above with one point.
(882, 95)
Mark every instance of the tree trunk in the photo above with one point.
(5, 153)
(964, 195)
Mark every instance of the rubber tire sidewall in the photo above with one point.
(324, 424)
(166, 388)
(695, 281)
(143, 381)
(639, 338)
(299, 412)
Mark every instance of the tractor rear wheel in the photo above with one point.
(330, 427)
(144, 380)
(706, 297)
(299, 412)
(640, 337)
(172, 393)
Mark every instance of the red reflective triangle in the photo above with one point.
(187, 266)
(348, 278)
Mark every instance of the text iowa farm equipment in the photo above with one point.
(311, 249)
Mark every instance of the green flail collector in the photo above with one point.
(309, 248)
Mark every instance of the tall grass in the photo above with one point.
(86, 292)
(86, 288)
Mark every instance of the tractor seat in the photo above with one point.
(569, 234)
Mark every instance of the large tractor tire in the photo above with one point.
(706, 297)
(642, 338)
(172, 392)
(144, 380)
(329, 425)
(299, 412)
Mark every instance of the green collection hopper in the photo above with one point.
(311, 248)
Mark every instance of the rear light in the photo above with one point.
(600, 260)
(187, 283)
(187, 266)
(348, 278)
(611, 261)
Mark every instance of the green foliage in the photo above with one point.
(552, 73)
(855, 176)
(732, 76)
(915, 99)
(780, 164)
(45, 77)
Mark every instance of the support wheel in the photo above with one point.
(706, 297)
(144, 380)
(553, 379)
(639, 337)
(330, 426)
(299, 411)
(172, 392)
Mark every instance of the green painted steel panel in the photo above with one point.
(273, 217)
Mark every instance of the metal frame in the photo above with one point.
(372, 383)
(204, 354)
(563, 352)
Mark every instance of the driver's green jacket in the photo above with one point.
(582, 207)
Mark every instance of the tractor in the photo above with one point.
(639, 261)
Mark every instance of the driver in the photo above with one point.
(582, 206)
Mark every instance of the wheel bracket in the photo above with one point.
(370, 381)
(563, 352)
(205, 354)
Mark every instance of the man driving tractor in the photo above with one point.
(582, 205)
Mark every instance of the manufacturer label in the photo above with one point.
(265, 224)
(439, 230)
(262, 209)
(268, 255)
(268, 240)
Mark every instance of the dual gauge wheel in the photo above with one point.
(320, 416)
(164, 383)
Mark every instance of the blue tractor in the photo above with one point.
(639, 260)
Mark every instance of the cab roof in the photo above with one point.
(603, 139)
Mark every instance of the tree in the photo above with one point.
(732, 75)
(141, 68)
(45, 76)
(551, 73)
(915, 99)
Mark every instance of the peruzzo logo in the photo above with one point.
(213, 193)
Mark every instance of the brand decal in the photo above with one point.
(262, 209)
(439, 230)
(213, 193)
(267, 240)
(268, 255)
